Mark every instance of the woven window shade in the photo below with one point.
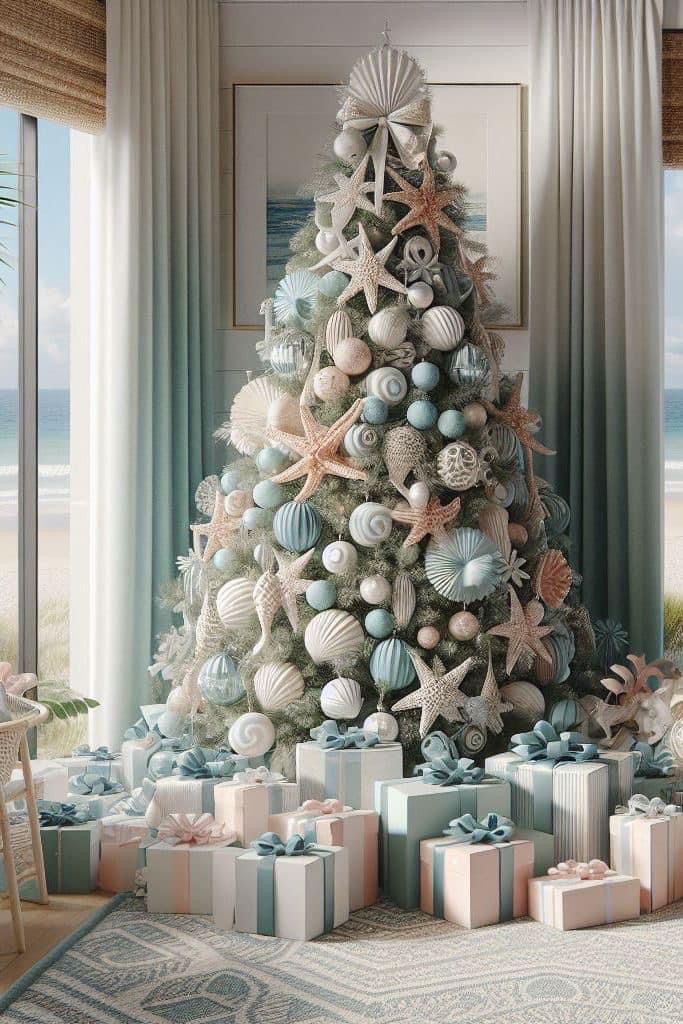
(53, 60)
(672, 98)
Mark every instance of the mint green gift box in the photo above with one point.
(411, 810)
(71, 854)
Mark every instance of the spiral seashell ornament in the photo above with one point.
(252, 735)
(360, 441)
(370, 524)
(387, 383)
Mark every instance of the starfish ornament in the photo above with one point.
(318, 451)
(479, 275)
(431, 520)
(368, 272)
(426, 205)
(217, 531)
(523, 631)
(349, 196)
(280, 590)
(495, 706)
(439, 692)
(514, 415)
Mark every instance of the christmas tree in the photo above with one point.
(381, 551)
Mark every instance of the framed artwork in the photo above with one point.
(279, 132)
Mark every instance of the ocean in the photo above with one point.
(53, 453)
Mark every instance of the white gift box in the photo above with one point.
(180, 877)
(177, 794)
(81, 764)
(50, 782)
(135, 755)
(348, 774)
(224, 886)
(245, 807)
(120, 839)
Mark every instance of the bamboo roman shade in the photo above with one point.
(672, 98)
(53, 60)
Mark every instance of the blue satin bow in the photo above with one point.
(493, 828)
(329, 737)
(137, 803)
(449, 771)
(52, 812)
(544, 743)
(271, 845)
(438, 744)
(137, 731)
(89, 783)
(198, 763)
(651, 765)
(98, 754)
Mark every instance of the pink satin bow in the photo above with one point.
(198, 829)
(328, 806)
(260, 774)
(16, 685)
(594, 869)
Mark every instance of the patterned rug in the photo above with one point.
(386, 966)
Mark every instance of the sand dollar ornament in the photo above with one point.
(332, 635)
(375, 589)
(387, 383)
(252, 735)
(330, 384)
(361, 441)
(339, 557)
(464, 565)
(463, 626)
(442, 328)
(277, 684)
(370, 524)
(458, 466)
(295, 299)
(388, 328)
(341, 698)
(205, 495)
(219, 681)
(382, 723)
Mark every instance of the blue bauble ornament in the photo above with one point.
(268, 494)
(270, 460)
(230, 481)
(257, 518)
(161, 764)
(321, 595)
(425, 376)
(422, 414)
(375, 410)
(219, 681)
(379, 623)
(565, 715)
(225, 560)
(332, 284)
(451, 423)
(391, 666)
(297, 526)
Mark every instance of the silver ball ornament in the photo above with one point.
(384, 724)
(350, 146)
(420, 295)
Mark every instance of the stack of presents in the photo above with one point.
(556, 829)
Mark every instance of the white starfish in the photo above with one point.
(439, 692)
(349, 196)
(368, 272)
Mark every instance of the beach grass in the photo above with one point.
(673, 624)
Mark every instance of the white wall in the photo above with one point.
(317, 41)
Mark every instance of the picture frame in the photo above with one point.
(279, 134)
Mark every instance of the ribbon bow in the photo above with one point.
(137, 731)
(197, 829)
(98, 754)
(198, 763)
(260, 774)
(329, 737)
(493, 828)
(89, 784)
(544, 743)
(594, 869)
(449, 771)
(329, 806)
(386, 93)
(139, 800)
(438, 744)
(654, 808)
(271, 845)
(651, 765)
(53, 812)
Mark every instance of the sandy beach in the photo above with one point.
(673, 544)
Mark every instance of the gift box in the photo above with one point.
(179, 867)
(245, 806)
(339, 765)
(621, 766)
(120, 838)
(570, 902)
(223, 893)
(293, 892)
(71, 849)
(50, 781)
(99, 761)
(135, 755)
(190, 790)
(329, 823)
(648, 844)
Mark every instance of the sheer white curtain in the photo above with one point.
(596, 291)
(155, 180)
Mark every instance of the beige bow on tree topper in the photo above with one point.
(386, 92)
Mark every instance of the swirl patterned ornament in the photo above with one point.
(252, 735)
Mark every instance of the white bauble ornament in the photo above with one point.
(284, 414)
(445, 161)
(177, 702)
(375, 589)
(277, 684)
(403, 599)
(419, 495)
(475, 416)
(337, 328)
(341, 698)
(339, 557)
(332, 635)
(252, 735)
(329, 384)
(370, 524)
(463, 626)
(265, 556)
(388, 328)
(384, 724)
(526, 699)
(326, 241)
(352, 356)
(442, 328)
(361, 440)
(458, 466)
(387, 383)
(428, 637)
(350, 146)
(235, 603)
(237, 502)
(420, 295)
(250, 414)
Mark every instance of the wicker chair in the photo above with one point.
(20, 845)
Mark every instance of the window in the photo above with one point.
(673, 410)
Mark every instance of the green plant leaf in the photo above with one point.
(56, 709)
(80, 705)
(91, 702)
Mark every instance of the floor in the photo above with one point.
(45, 927)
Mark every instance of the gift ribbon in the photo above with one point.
(545, 744)
(329, 806)
(139, 800)
(137, 731)
(581, 870)
(654, 808)
(651, 765)
(255, 775)
(54, 813)
(493, 828)
(448, 771)
(196, 829)
(506, 876)
(98, 754)
(329, 737)
(269, 847)
(90, 784)
(198, 763)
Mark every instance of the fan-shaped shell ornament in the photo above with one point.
(404, 450)
(388, 328)
(370, 524)
(391, 666)
(468, 365)
(464, 565)
(361, 441)
(297, 526)
(277, 684)
(442, 328)
(558, 513)
(387, 383)
(561, 646)
(341, 698)
(339, 557)
(219, 681)
(252, 735)
(205, 495)
(526, 699)
(458, 466)
(295, 298)
(235, 603)
(249, 415)
(552, 578)
(284, 414)
(403, 599)
(338, 327)
(332, 635)
(291, 353)
(471, 740)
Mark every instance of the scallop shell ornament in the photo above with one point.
(387, 383)
(361, 441)
(338, 328)
(252, 735)
(388, 328)
(442, 328)
(341, 698)
(403, 599)
(235, 603)
(332, 635)
(339, 557)
(370, 524)
(405, 449)
(458, 466)
(464, 565)
(277, 684)
(391, 666)
(552, 578)
(352, 356)
(205, 495)
(249, 415)
(526, 699)
(295, 298)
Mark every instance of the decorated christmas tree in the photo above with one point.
(380, 552)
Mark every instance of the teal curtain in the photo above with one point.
(596, 286)
(155, 209)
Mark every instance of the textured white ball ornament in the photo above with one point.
(420, 295)
(370, 524)
(475, 416)
(237, 502)
(277, 684)
(252, 735)
(350, 146)
(419, 495)
(526, 699)
(384, 724)
(463, 626)
(445, 161)
(387, 383)
(235, 603)
(339, 557)
(352, 356)
(375, 589)
(326, 241)
(341, 698)
(428, 637)
(388, 328)
(330, 384)
(442, 328)
(177, 702)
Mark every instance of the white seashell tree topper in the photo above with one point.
(381, 476)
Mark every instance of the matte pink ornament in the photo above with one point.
(330, 383)
(428, 637)
(475, 416)
(463, 626)
(518, 535)
(352, 356)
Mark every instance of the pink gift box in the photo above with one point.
(475, 884)
(243, 808)
(120, 838)
(569, 903)
(180, 877)
(651, 849)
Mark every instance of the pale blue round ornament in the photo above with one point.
(297, 526)
(391, 666)
(230, 481)
(422, 414)
(268, 494)
(257, 518)
(332, 284)
(321, 595)
(565, 715)
(379, 623)
(161, 764)
(295, 298)
(375, 410)
(225, 560)
(270, 460)
(451, 423)
(219, 681)
(425, 376)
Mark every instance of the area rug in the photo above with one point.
(385, 966)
